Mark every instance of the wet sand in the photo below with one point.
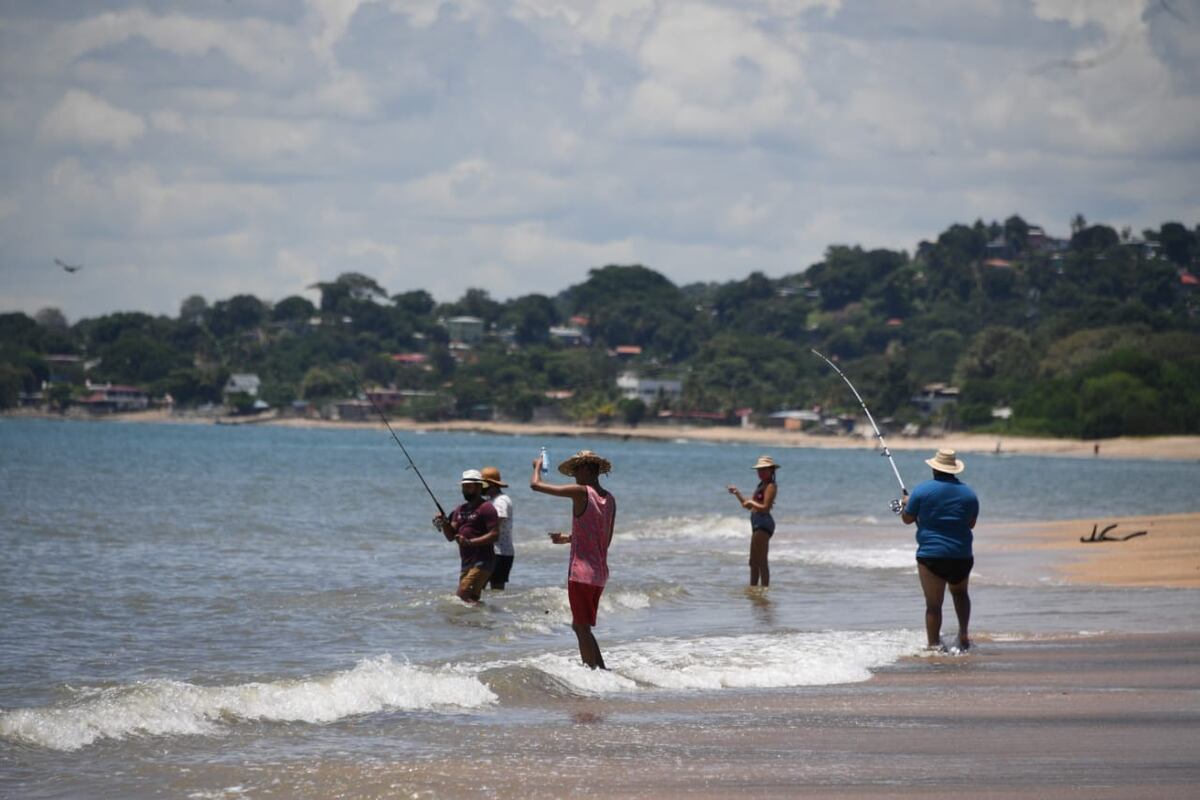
(1101, 717)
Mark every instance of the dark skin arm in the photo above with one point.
(450, 530)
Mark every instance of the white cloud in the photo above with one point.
(440, 144)
(82, 118)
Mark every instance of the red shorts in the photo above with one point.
(585, 599)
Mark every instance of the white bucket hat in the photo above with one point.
(472, 476)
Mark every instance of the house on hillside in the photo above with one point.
(467, 330)
(246, 383)
(109, 398)
(648, 390)
(933, 397)
(569, 335)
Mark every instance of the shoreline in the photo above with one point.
(1109, 716)
(1156, 448)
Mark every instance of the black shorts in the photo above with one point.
(761, 521)
(951, 570)
(500, 573)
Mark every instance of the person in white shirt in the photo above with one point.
(504, 508)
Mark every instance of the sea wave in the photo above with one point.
(851, 557)
(742, 662)
(705, 527)
(165, 707)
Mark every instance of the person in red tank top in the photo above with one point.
(595, 511)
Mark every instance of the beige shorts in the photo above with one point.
(471, 582)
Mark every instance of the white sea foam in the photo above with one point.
(852, 557)
(163, 707)
(706, 527)
(751, 661)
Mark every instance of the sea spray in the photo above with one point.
(165, 707)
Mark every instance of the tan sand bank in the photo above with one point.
(1168, 555)
(1186, 448)
(1153, 447)
(1099, 718)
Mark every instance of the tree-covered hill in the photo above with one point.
(1093, 336)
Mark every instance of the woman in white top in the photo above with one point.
(504, 509)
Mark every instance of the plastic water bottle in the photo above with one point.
(545, 461)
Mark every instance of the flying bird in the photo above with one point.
(69, 267)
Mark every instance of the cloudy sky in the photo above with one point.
(257, 146)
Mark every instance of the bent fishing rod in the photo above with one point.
(896, 503)
(411, 463)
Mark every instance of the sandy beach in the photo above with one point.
(1167, 555)
(1127, 447)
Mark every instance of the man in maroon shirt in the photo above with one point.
(475, 526)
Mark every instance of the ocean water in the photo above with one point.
(173, 596)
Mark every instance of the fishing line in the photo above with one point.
(896, 504)
(411, 463)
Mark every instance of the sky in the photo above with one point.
(258, 146)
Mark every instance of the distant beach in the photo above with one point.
(1170, 448)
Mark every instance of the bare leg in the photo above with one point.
(589, 649)
(962, 609)
(760, 571)
(934, 589)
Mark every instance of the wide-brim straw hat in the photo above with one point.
(472, 476)
(946, 461)
(585, 457)
(765, 462)
(492, 475)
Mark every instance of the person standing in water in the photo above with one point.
(504, 509)
(475, 526)
(762, 524)
(594, 511)
(945, 510)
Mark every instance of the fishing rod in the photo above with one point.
(411, 463)
(896, 504)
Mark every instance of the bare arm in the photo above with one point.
(448, 528)
(764, 507)
(905, 517)
(575, 491)
(489, 537)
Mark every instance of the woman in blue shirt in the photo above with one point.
(945, 510)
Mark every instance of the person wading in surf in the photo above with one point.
(474, 525)
(945, 510)
(504, 509)
(762, 524)
(594, 513)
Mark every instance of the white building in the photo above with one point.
(467, 330)
(648, 390)
(242, 383)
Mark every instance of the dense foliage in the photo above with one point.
(1093, 337)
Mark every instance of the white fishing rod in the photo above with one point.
(896, 503)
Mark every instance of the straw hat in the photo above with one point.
(585, 457)
(767, 462)
(492, 475)
(472, 476)
(946, 461)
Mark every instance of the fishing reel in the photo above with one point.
(897, 505)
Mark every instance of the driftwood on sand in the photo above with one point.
(1104, 537)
